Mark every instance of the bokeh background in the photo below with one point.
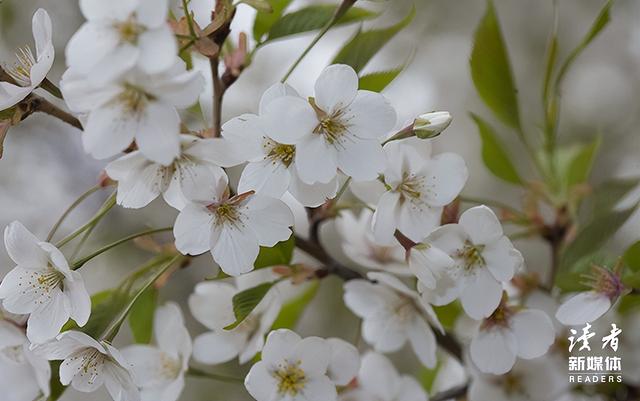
(44, 167)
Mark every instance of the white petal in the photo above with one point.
(152, 13)
(146, 362)
(170, 332)
(384, 333)
(336, 87)
(368, 191)
(279, 345)
(90, 44)
(288, 119)
(534, 333)
(235, 250)
(481, 295)
(42, 35)
(218, 347)
(379, 376)
(10, 94)
(114, 64)
(267, 177)
(314, 353)
(273, 92)
(158, 49)
(119, 383)
(47, 321)
(319, 388)
(391, 282)
(109, 130)
(79, 298)
(502, 259)
(316, 160)
(138, 190)
(445, 177)
(423, 342)
(386, 216)
(428, 263)
(583, 308)
(312, 195)
(481, 224)
(66, 344)
(418, 221)
(213, 293)
(121, 168)
(260, 383)
(18, 293)
(494, 350)
(192, 229)
(23, 248)
(158, 133)
(198, 181)
(410, 390)
(98, 9)
(344, 363)
(72, 371)
(449, 238)
(361, 159)
(218, 151)
(180, 90)
(270, 219)
(481, 390)
(244, 135)
(370, 116)
(362, 298)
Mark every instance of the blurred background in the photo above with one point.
(44, 167)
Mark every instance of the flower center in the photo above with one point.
(133, 99)
(382, 254)
(332, 128)
(605, 282)
(14, 353)
(411, 186)
(279, 152)
(471, 256)
(129, 30)
(90, 362)
(21, 70)
(291, 378)
(169, 367)
(512, 384)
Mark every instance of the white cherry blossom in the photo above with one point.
(136, 106)
(293, 368)
(429, 125)
(510, 333)
(418, 186)
(340, 129)
(120, 35)
(378, 380)
(359, 244)
(41, 285)
(272, 169)
(483, 259)
(392, 314)
(140, 180)
(244, 341)
(588, 306)
(88, 364)
(232, 229)
(29, 71)
(24, 376)
(159, 370)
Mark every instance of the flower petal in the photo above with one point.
(100, 10)
(314, 354)
(534, 333)
(267, 177)
(494, 350)
(344, 363)
(385, 218)
(336, 88)
(152, 13)
(481, 224)
(192, 229)
(23, 248)
(42, 35)
(270, 219)
(279, 345)
(158, 48)
(427, 263)
(78, 298)
(361, 159)
(273, 92)
(218, 347)
(158, 133)
(423, 342)
(502, 259)
(481, 295)
(138, 190)
(445, 177)
(260, 383)
(91, 44)
(289, 119)
(170, 332)
(235, 250)
(319, 388)
(311, 195)
(10, 94)
(47, 320)
(316, 160)
(379, 376)
(582, 308)
(213, 293)
(370, 115)
(109, 130)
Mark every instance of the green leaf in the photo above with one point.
(448, 314)
(279, 254)
(629, 303)
(598, 25)
(632, 257)
(262, 6)
(494, 155)
(491, 70)
(264, 21)
(365, 44)
(293, 310)
(608, 194)
(246, 301)
(377, 81)
(594, 235)
(142, 314)
(580, 166)
(427, 376)
(315, 17)
(102, 313)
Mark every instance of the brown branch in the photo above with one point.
(454, 393)
(34, 104)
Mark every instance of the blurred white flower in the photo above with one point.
(511, 333)
(41, 285)
(417, 186)
(429, 264)
(344, 361)
(293, 368)
(392, 314)
(588, 306)
(245, 340)
(379, 380)
(19, 365)
(233, 229)
(483, 258)
(431, 124)
(340, 129)
(120, 35)
(272, 168)
(29, 71)
(137, 106)
(361, 247)
(88, 364)
(140, 181)
(159, 370)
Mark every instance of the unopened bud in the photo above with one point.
(430, 125)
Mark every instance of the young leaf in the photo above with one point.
(580, 166)
(632, 257)
(314, 17)
(493, 153)
(246, 301)
(608, 194)
(262, 6)
(594, 235)
(377, 81)
(142, 314)
(264, 21)
(279, 254)
(364, 45)
(491, 71)
(293, 310)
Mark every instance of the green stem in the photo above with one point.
(79, 263)
(221, 378)
(406, 132)
(344, 7)
(187, 14)
(342, 190)
(113, 328)
(66, 213)
(104, 209)
(83, 241)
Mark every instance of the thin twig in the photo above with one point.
(34, 104)
(66, 213)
